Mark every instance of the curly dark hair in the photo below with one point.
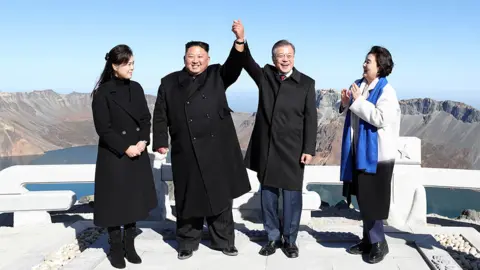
(384, 60)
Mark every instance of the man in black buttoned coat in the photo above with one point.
(283, 141)
(207, 163)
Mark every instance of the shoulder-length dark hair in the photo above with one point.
(118, 55)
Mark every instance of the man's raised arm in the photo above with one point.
(232, 68)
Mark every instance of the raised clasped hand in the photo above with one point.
(238, 30)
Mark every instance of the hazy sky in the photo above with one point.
(61, 45)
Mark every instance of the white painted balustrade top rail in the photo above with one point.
(14, 179)
(408, 196)
(450, 178)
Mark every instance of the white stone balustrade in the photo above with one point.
(408, 206)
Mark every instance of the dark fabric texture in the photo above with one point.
(207, 163)
(285, 125)
(124, 186)
(220, 227)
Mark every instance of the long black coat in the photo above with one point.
(285, 126)
(207, 166)
(124, 186)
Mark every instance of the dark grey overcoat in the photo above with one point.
(285, 126)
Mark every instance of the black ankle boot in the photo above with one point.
(116, 252)
(129, 234)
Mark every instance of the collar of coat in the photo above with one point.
(119, 82)
(296, 75)
(184, 77)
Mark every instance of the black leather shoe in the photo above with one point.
(291, 250)
(378, 252)
(270, 248)
(184, 254)
(361, 247)
(230, 251)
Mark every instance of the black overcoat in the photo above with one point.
(285, 126)
(124, 186)
(207, 165)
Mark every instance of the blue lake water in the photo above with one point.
(442, 201)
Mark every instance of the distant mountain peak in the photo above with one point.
(427, 106)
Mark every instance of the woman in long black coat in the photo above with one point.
(124, 185)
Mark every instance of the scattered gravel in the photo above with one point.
(462, 251)
(68, 252)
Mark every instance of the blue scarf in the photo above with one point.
(366, 154)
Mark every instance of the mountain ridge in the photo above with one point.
(43, 120)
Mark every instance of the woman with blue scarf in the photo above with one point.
(372, 125)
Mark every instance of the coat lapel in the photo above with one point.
(126, 106)
(198, 83)
(189, 86)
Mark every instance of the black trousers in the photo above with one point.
(221, 229)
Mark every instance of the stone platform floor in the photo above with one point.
(320, 248)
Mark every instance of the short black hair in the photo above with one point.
(200, 44)
(384, 60)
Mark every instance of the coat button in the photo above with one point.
(188, 102)
(190, 120)
(213, 135)
(124, 132)
(194, 138)
(138, 129)
(207, 115)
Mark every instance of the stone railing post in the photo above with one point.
(408, 199)
(163, 210)
(248, 206)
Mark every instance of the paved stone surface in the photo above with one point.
(323, 247)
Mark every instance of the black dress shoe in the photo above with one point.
(378, 252)
(186, 253)
(362, 247)
(230, 251)
(291, 250)
(270, 248)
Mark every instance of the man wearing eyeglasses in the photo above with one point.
(282, 143)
